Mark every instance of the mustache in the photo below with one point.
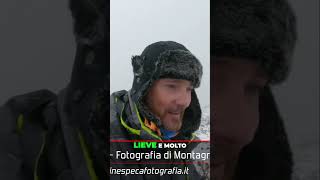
(175, 110)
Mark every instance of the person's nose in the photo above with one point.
(184, 98)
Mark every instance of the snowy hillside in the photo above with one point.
(204, 130)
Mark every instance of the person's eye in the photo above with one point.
(171, 86)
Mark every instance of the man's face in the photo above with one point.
(168, 99)
(237, 84)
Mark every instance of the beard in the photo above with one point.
(172, 120)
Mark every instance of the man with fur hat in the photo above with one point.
(161, 105)
(252, 45)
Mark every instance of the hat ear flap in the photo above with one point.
(269, 155)
(192, 115)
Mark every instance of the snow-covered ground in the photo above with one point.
(204, 130)
(204, 134)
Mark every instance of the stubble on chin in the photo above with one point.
(173, 124)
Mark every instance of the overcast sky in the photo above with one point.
(136, 24)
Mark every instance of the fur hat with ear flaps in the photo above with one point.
(263, 31)
(167, 59)
(260, 30)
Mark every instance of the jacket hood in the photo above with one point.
(90, 71)
(124, 114)
(167, 59)
(86, 95)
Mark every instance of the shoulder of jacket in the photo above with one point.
(30, 101)
(32, 105)
(117, 102)
(25, 121)
(118, 96)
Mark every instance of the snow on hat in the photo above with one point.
(167, 59)
(164, 59)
